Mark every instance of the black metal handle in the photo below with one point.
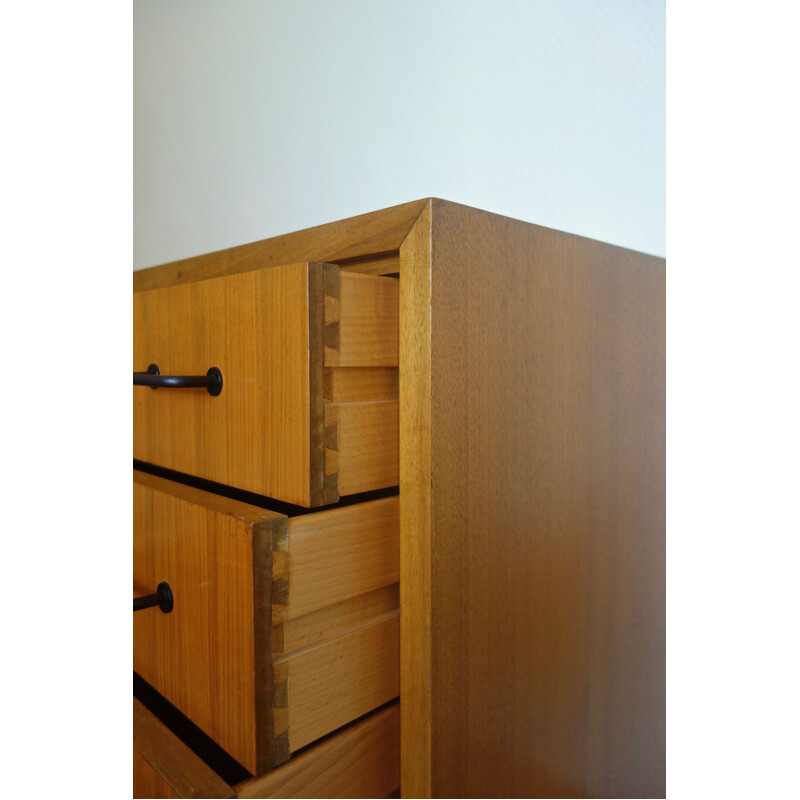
(162, 598)
(212, 380)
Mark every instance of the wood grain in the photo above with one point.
(333, 620)
(164, 767)
(416, 522)
(365, 235)
(336, 681)
(331, 577)
(382, 265)
(322, 490)
(210, 657)
(362, 760)
(531, 504)
(147, 782)
(532, 513)
(267, 331)
(353, 384)
(336, 555)
(361, 317)
(256, 435)
(361, 444)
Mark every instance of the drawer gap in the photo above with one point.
(386, 264)
(202, 745)
(269, 503)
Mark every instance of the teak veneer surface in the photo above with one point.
(416, 522)
(379, 232)
(258, 328)
(210, 656)
(531, 471)
(532, 512)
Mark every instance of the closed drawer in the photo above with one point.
(283, 628)
(308, 355)
(362, 760)
(165, 767)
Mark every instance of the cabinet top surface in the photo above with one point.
(376, 233)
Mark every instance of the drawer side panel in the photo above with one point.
(335, 682)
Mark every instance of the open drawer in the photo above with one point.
(307, 356)
(282, 630)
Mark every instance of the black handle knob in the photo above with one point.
(212, 380)
(162, 598)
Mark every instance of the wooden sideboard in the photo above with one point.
(522, 418)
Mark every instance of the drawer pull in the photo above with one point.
(212, 380)
(162, 598)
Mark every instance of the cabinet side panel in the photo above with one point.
(547, 513)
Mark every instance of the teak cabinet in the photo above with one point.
(446, 431)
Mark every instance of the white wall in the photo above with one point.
(254, 118)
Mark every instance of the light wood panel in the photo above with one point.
(210, 657)
(333, 620)
(363, 760)
(353, 384)
(361, 330)
(365, 235)
(361, 320)
(329, 684)
(257, 434)
(533, 437)
(164, 767)
(336, 555)
(361, 444)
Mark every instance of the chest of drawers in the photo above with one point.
(501, 387)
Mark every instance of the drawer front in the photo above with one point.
(283, 629)
(362, 760)
(277, 335)
(165, 767)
